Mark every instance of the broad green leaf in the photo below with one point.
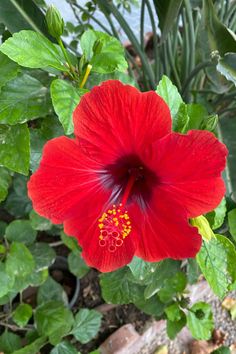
(232, 223)
(197, 114)
(22, 314)
(51, 290)
(9, 342)
(86, 326)
(172, 286)
(20, 261)
(69, 241)
(167, 12)
(181, 121)
(15, 147)
(193, 271)
(104, 61)
(34, 347)
(6, 281)
(142, 270)
(3, 226)
(215, 36)
(23, 98)
(54, 320)
(95, 79)
(65, 97)
(170, 95)
(33, 50)
(217, 216)
(64, 348)
(43, 254)
(216, 260)
(38, 222)
(174, 327)
(21, 231)
(164, 270)
(200, 321)
(77, 265)
(8, 69)
(5, 180)
(203, 226)
(22, 14)
(152, 306)
(173, 312)
(227, 66)
(117, 287)
(222, 350)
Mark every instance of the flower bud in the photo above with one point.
(55, 22)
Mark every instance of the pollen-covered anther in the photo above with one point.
(115, 226)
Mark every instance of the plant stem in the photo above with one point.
(86, 75)
(72, 70)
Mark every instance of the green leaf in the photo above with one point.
(38, 222)
(174, 327)
(6, 281)
(152, 306)
(170, 95)
(197, 114)
(227, 66)
(43, 254)
(5, 180)
(105, 61)
(173, 312)
(86, 326)
(33, 50)
(77, 265)
(34, 347)
(200, 321)
(181, 121)
(22, 314)
(23, 98)
(65, 97)
(217, 216)
(15, 147)
(232, 223)
(215, 36)
(164, 270)
(216, 260)
(117, 287)
(167, 12)
(21, 231)
(22, 14)
(9, 342)
(51, 290)
(20, 261)
(8, 69)
(54, 320)
(193, 271)
(203, 226)
(69, 241)
(64, 348)
(141, 269)
(222, 350)
(172, 286)
(3, 226)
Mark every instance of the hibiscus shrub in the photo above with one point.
(134, 189)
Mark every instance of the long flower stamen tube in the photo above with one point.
(127, 184)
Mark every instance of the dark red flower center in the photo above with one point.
(134, 182)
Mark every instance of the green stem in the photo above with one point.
(142, 13)
(72, 70)
(155, 39)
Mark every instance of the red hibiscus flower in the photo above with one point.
(127, 185)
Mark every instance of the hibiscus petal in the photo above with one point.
(189, 168)
(115, 119)
(66, 179)
(164, 231)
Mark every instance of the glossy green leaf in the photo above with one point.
(77, 265)
(34, 347)
(53, 319)
(141, 269)
(65, 97)
(197, 114)
(20, 261)
(232, 222)
(21, 231)
(216, 260)
(174, 327)
(15, 147)
(170, 95)
(105, 61)
(69, 241)
(23, 98)
(181, 121)
(200, 321)
(5, 180)
(86, 326)
(6, 281)
(33, 50)
(51, 290)
(64, 348)
(22, 14)
(43, 254)
(38, 222)
(227, 66)
(22, 314)
(217, 216)
(172, 286)
(167, 12)
(8, 69)
(9, 342)
(152, 306)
